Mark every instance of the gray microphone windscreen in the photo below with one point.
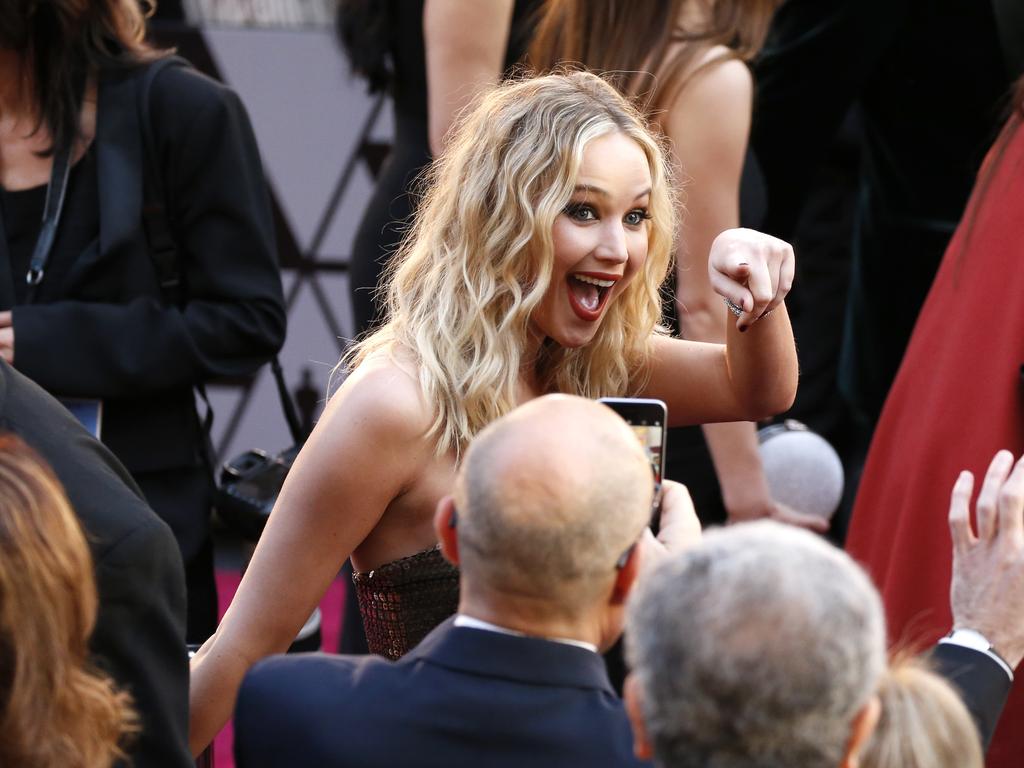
(802, 468)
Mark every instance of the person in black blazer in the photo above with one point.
(163, 272)
(139, 638)
(552, 501)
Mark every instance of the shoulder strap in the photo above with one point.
(155, 218)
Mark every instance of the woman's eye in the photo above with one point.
(635, 217)
(580, 212)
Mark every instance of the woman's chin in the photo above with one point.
(574, 338)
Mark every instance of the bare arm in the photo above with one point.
(465, 43)
(364, 451)
(708, 125)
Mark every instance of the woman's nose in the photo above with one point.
(612, 246)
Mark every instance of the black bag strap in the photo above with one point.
(155, 219)
(164, 251)
(52, 208)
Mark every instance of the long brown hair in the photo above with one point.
(624, 40)
(55, 709)
(60, 42)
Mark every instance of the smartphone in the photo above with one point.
(648, 419)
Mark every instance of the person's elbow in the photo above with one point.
(264, 326)
(772, 396)
(275, 325)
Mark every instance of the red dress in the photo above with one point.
(958, 398)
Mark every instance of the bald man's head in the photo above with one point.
(549, 497)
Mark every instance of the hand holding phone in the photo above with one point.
(680, 528)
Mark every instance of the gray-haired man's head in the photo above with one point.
(761, 647)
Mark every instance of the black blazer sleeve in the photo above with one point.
(982, 683)
(139, 638)
(109, 341)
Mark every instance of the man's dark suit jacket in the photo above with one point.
(140, 628)
(462, 697)
(982, 683)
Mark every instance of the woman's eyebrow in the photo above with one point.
(590, 189)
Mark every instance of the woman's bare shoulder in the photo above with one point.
(714, 79)
(709, 117)
(383, 392)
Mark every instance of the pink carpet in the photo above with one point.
(331, 610)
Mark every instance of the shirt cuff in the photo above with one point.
(968, 641)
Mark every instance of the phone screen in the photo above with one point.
(652, 438)
(647, 418)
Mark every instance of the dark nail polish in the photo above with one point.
(743, 328)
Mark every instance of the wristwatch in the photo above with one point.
(971, 638)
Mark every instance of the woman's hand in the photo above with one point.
(752, 270)
(776, 510)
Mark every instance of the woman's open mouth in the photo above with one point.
(589, 292)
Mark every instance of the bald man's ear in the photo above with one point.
(634, 708)
(863, 726)
(626, 575)
(445, 528)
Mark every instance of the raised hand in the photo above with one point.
(752, 271)
(987, 588)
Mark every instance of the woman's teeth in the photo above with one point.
(595, 281)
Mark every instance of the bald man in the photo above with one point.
(550, 504)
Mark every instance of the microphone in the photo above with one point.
(803, 470)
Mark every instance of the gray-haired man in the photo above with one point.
(763, 646)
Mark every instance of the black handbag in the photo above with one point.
(246, 487)
(248, 484)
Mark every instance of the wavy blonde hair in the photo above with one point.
(56, 710)
(924, 723)
(478, 259)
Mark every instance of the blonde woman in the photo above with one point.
(534, 266)
(56, 711)
(923, 724)
(684, 63)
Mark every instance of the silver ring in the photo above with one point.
(733, 307)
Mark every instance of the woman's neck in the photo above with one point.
(696, 14)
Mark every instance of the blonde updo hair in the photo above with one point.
(478, 259)
(57, 710)
(924, 723)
